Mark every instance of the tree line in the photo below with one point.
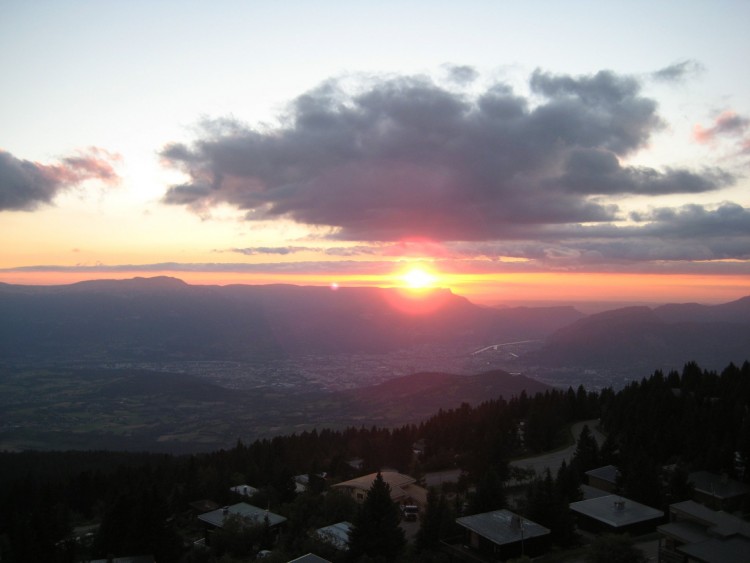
(142, 501)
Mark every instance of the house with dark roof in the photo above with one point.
(615, 514)
(698, 534)
(718, 491)
(502, 534)
(249, 514)
(603, 478)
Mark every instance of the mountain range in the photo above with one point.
(164, 318)
(644, 338)
(161, 319)
(103, 363)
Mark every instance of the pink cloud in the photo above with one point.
(727, 123)
(89, 164)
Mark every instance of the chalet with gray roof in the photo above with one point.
(603, 478)
(249, 514)
(696, 533)
(615, 514)
(502, 534)
(718, 491)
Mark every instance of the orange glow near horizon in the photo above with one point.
(480, 288)
(419, 278)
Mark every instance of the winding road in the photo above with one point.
(553, 460)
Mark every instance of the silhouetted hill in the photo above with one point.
(640, 337)
(415, 397)
(127, 409)
(164, 318)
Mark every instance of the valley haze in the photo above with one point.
(158, 364)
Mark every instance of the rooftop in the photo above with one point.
(607, 473)
(397, 481)
(592, 492)
(684, 532)
(335, 534)
(251, 513)
(616, 511)
(732, 550)
(502, 526)
(309, 558)
(244, 490)
(719, 523)
(718, 486)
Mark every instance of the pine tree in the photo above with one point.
(376, 532)
(437, 521)
(587, 454)
(490, 494)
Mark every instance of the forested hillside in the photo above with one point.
(695, 420)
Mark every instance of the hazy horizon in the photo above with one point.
(381, 145)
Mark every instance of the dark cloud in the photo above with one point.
(462, 74)
(695, 221)
(685, 234)
(272, 250)
(416, 248)
(24, 185)
(596, 171)
(405, 157)
(677, 72)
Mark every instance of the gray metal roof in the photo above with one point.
(592, 492)
(684, 532)
(717, 486)
(309, 558)
(604, 509)
(251, 513)
(498, 526)
(720, 523)
(335, 534)
(607, 473)
(732, 550)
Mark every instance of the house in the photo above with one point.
(592, 492)
(252, 515)
(244, 490)
(718, 491)
(615, 514)
(404, 489)
(302, 482)
(335, 534)
(203, 505)
(696, 533)
(132, 559)
(501, 534)
(356, 463)
(603, 478)
(309, 558)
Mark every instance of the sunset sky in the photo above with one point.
(514, 151)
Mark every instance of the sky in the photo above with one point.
(515, 152)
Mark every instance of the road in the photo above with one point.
(553, 460)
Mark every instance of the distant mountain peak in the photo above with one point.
(138, 282)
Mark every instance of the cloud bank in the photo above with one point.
(407, 157)
(24, 185)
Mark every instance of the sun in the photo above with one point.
(418, 278)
